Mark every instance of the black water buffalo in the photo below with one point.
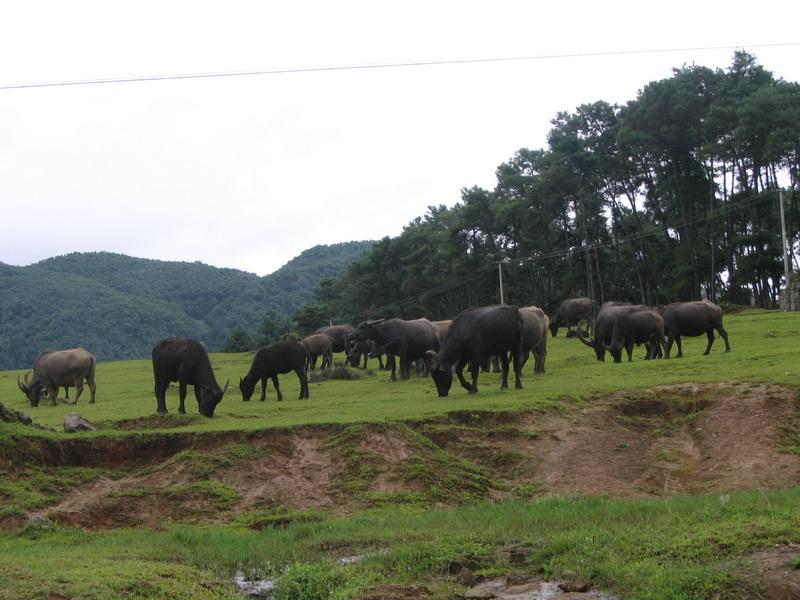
(340, 335)
(378, 351)
(477, 333)
(272, 360)
(185, 360)
(637, 327)
(603, 326)
(534, 337)
(407, 340)
(60, 368)
(316, 345)
(692, 319)
(361, 350)
(571, 312)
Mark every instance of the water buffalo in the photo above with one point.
(340, 335)
(477, 333)
(637, 327)
(316, 345)
(692, 319)
(360, 351)
(408, 340)
(571, 312)
(603, 326)
(443, 329)
(534, 337)
(185, 360)
(378, 351)
(272, 360)
(60, 368)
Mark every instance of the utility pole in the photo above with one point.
(500, 273)
(787, 290)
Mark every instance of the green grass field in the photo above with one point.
(669, 547)
(764, 349)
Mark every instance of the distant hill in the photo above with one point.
(118, 306)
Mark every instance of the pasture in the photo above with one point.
(654, 479)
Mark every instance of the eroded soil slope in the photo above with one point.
(685, 439)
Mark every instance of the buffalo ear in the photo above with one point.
(432, 358)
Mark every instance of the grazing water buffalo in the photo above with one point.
(637, 327)
(477, 333)
(340, 335)
(361, 350)
(603, 326)
(571, 312)
(272, 360)
(408, 340)
(185, 360)
(534, 336)
(60, 368)
(692, 319)
(377, 351)
(316, 345)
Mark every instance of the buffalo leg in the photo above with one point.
(277, 387)
(182, 396)
(52, 393)
(474, 371)
(503, 359)
(710, 335)
(78, 390)
(660, 344)
(161, 402)
(517, 362)
(263, 389)
(92, 389)
(629, 350)
(680, 348)
(66, 392)
(301, 376)
(459, 369)
(724, 335)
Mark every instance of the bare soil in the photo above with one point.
(686, 439)
(773, 572)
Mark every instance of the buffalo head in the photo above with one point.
(554, 325)
(441, 373)
(32, 390)
(209, 397)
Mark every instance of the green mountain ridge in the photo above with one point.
(118, 306)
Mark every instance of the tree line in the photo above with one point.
(672, 196)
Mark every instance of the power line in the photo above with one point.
(391, 65)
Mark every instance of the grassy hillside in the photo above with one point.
(421, 489)
(118, 306)
(764, 350)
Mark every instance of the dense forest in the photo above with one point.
(118, 306)
(673, 196)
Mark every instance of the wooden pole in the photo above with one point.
(787, 290)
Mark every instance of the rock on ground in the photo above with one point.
(74, 422)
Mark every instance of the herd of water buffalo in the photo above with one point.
(505, 334)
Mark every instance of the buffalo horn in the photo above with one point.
(226, 387)
(584, 336)
(25, 387)
(432, 359)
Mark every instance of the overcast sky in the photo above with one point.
(247, 172)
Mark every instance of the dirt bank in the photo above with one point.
(685, 439)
